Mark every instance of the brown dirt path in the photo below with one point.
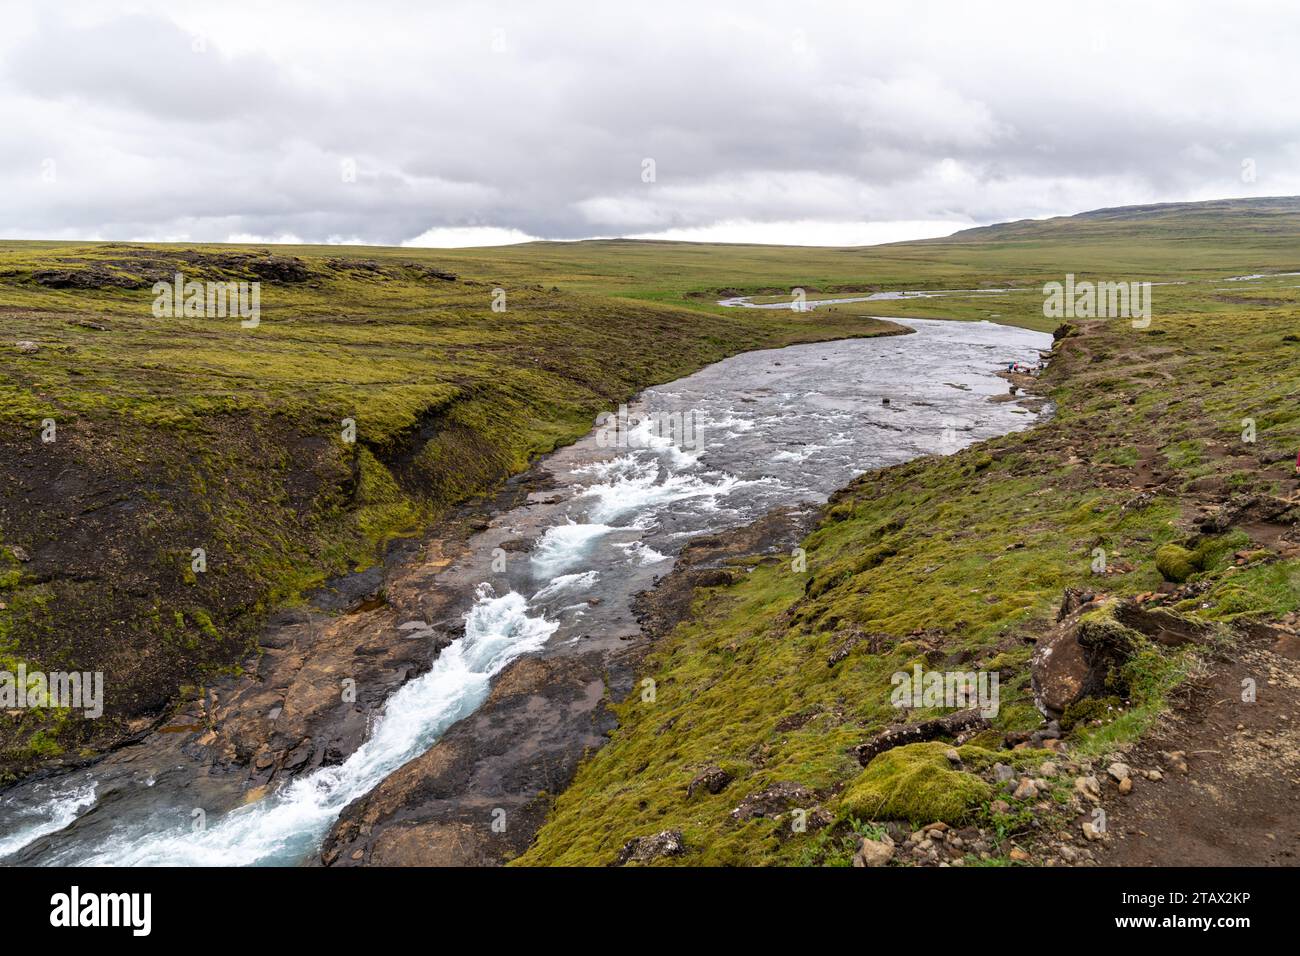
(1238, 801)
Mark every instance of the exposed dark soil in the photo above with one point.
(1236, 804)
(111, 538)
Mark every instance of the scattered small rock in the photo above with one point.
(1175, 760)
(772, 801)
(1142, 500)
(647, 848)
(713, 779)
(818, 819)
(874, 852)
(1089, 787)
(27, 346)
(1119, 771)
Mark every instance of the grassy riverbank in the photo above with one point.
(960, 563)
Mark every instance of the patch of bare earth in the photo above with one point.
(1229, 793)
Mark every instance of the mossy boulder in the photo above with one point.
(1081, 656)
(915, 783)
(1102, 630)
(1178, 563)
(1175, 563)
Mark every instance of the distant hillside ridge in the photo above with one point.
(1273, 215)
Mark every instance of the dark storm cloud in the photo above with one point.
(394, 123)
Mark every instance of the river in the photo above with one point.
(709, 452)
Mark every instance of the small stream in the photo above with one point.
(711, 451)
(808, 305)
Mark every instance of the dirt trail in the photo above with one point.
(1237, 803)
(1227, 761)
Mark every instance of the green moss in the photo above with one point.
(1088, 710)
(1267, 591)
(915, 783)
(1175, 563)
(1148, 677)
(1185, 455)
(42, 744)
(1216, 552)
(204, 620)
(384, 510)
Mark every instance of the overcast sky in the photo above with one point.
(478, 123)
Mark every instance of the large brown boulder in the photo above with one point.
(1094, 636)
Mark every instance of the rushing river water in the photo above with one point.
(754, 432)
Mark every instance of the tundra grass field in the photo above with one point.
(1170, 452)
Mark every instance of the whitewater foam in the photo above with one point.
(51, 817)
(563, 546)
(580, 581)
(285, 826)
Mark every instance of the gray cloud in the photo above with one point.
(816, 122)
